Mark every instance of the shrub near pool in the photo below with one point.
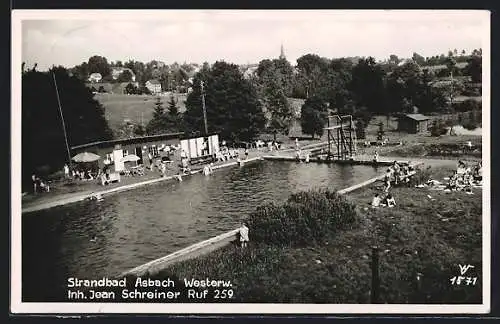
(305, 218)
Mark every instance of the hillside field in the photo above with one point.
(136, 108)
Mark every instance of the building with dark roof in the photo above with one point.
(413, 123)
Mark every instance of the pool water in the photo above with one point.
(137, 226)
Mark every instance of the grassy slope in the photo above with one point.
(119, 107)
(412, 238)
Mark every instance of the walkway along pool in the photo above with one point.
(137, 226)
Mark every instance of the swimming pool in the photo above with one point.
(137, 226)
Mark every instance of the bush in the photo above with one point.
(305, 218)
(360, 129)
(380, 132)
(438, 128)
(472, 122)
(467, 105)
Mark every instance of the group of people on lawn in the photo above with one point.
(397, 173)
(465, 177)
(462, 179)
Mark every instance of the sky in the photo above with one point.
(241, 37)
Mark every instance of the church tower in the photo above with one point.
(282, 54)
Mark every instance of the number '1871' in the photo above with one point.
(460, 280)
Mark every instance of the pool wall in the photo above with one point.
(83, 197)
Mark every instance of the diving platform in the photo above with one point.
(341, 137)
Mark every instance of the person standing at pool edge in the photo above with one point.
(66, 171)
(150, 157)
(244, 235)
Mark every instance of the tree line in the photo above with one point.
(238, 107)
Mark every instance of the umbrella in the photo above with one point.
(130, 158)
(86, 157)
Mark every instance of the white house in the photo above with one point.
(95, 77)
(154, 86)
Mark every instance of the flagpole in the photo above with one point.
(62, 120)
(204, 107)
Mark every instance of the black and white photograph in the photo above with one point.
(250, 161)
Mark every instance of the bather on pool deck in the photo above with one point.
(387, 183)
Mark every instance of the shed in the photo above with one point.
(413, 123)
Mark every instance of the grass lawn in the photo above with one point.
(136, 108)
(418, 238)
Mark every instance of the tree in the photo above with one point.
(43, 142)
(281, 113)
(139, 70)
(99, 64)
(125, 76)
(451, 64)
(131, 89)
(360, 129)
(81, 71)
(311, 73)
(274, 80)
(367, 85)
(173, 118)
(313, 117)
(438, 128)
(380, 132)
(157, 125)
(474, 68)
(419, 59)
(232, 104)
(394, 59)
(139, 130)
(408, 86)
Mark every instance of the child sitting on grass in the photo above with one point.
(376, 201)
(389, 200)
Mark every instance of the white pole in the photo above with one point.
(62, 120)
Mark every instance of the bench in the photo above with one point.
(318, 151)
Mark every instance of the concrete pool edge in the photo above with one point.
(82, 197)
(88, 195)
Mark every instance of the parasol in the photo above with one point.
(130, 158)
(86, 157)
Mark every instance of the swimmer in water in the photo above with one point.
(93, 239)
